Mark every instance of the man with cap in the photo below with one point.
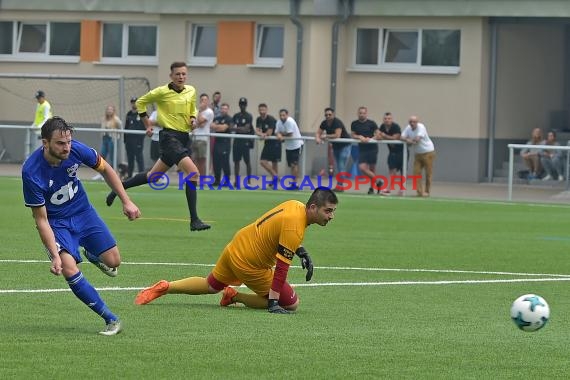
(134, 143)
(243, 124)
(43, 112)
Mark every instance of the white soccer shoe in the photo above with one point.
(112, 328)
(111, 272)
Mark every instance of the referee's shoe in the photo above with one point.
(198, 225)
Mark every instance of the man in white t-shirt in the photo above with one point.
(287, 127)
(200, 133)
(415, 134)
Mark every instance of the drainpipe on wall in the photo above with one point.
(492, 100)
(295, 19)
(346, 12)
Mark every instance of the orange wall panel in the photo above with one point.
(90, 40)
(235, 42)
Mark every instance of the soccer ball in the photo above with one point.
(530, 312)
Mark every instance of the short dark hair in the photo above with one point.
(387, 113)
(321, 196)
(177, 64)
(53, 124)
(204, 94)
(329, 109)
(553, 132)
(284, 110)
(216, 93)
(262, 105)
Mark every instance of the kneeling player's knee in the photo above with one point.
(292, 307)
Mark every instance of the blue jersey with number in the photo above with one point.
(58, 188)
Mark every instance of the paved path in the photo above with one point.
(453, 190)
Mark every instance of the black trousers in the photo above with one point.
(134, 152)
(221, 162)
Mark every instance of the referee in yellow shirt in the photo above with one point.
(177, 111)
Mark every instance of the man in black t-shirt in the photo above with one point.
(364, 129)
(243, 124)
(392, 131)
(333, 128)
(271, 153)
(221, 161)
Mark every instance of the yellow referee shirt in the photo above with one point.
(174, 108)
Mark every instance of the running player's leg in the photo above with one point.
(100, 245)
(140, 179)
(81, 288)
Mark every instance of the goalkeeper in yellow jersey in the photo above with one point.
(259, 256)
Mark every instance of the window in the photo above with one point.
(6, 37)
(65, 38)
(408, 50)
(203, 44)
(401, 47)
(440, 47)
(129, 43)
(269, 44)
(39, 40)
(367, 46)
(32, 38)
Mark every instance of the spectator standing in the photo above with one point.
(216, 103)
(552, 160)
(531, 156)
(200, 134)
(271, 153)
(221, 159)
(364, 129)
(243, 125)
(154, 139)
(134, 143)
(43, 112)
(286, 126)
(111, 122)
(333, 128)
(391, 131)
(216, 107)
(415, 134)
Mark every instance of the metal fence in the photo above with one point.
(117, 156)
(512, 148)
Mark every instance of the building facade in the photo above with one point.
(478, 74)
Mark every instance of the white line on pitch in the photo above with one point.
(420, 270)
(380, 283)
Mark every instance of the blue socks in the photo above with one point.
(89, 296)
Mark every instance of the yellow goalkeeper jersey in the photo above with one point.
(275, 235)
(174, 109)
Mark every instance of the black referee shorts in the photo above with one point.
(174, 146)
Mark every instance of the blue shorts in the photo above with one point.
(87, 230)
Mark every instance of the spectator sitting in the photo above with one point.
(531, 156)
(552, 160)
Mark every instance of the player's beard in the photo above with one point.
(59, 156)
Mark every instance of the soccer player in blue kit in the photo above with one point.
(65, 218)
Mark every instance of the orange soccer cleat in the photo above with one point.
(149, 294)
(227, 296)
